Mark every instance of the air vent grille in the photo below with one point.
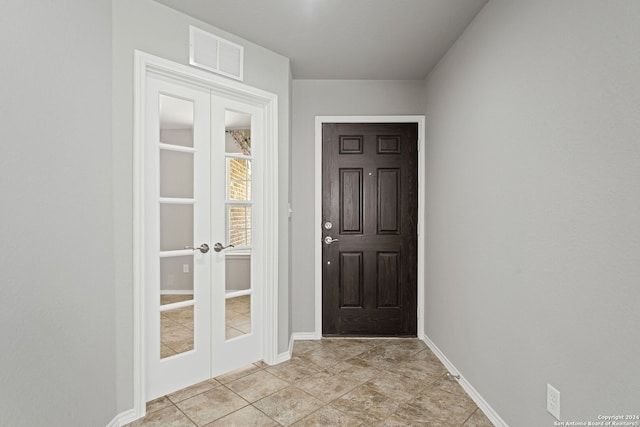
(215, 54)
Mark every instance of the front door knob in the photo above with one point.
(329, 240)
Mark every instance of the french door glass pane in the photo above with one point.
(238, 179)
(176, 279)
(238, 133)
(176, 174)
(239, 225)
(176, 331)
(176, 121)
(237, 316)
(176, 226)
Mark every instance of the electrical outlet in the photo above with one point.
(553, 401)
(185, 268)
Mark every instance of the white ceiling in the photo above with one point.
(344, 39)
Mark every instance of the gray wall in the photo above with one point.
(56, 261)
(156, 29)
(313, 98)
(533, 207)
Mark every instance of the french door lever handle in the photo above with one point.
(218, 247)
(204, 248)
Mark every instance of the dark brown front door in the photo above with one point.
(370, 205)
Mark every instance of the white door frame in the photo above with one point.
(320, 120)
(146, 64)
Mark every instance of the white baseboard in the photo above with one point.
(300, 336)
(466, 385)
(285, 355)
(296, 336)
(282, 357)
(123, 418)
(115, 422)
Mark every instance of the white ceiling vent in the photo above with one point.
(215, 54)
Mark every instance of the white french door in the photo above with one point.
(203, 299)
(237, 312)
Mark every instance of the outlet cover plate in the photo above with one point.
(553, 401)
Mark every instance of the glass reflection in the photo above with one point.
(176, 174)
(176, 226)
(238, 316)
(176, 331)
(176, 121)
(238, 133)
(176, 279)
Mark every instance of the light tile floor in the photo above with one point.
(330, 382)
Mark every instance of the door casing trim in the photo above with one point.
(145, 64)
(320, 120)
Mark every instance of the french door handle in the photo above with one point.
(204, 248)
(329, 240)
(218, 247)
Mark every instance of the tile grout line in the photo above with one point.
(469, 417)
(183, 413)
(232, 412)
(252, 403)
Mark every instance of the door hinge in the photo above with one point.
(419, 144)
